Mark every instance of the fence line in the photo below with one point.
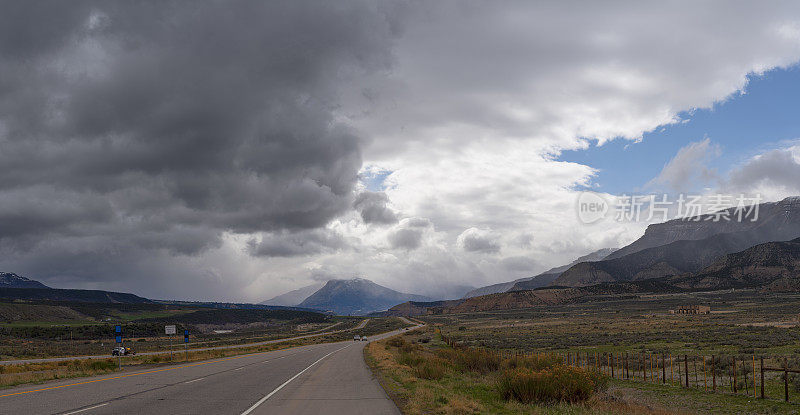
(649, 368)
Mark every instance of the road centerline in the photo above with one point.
(86, 409)
(276, 390)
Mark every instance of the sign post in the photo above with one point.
(118, 336)
(186, 344)
(169, 331)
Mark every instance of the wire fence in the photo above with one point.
(757, 376)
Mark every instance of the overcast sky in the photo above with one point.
(234, 150)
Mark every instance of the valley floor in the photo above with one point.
(743, 328)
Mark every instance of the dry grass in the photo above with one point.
(431, 378)
(554, 384)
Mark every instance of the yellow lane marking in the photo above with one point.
(136, 374)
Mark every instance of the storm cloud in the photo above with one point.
(234, 150)
(373, 208)
(164, 125)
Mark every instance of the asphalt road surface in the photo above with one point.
(318, 379)
(180, 350)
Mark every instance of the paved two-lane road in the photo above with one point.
(318, 379)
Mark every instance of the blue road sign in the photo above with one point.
(186, 336)
(119, 339)
(118, 329)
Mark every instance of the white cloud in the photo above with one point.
(774, 174)
(688, 169)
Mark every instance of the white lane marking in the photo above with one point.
(239, 368)
(278, 358)
(86, 409)
(260, 401)
(194, 380)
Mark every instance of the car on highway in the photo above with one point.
(363, 338)
(356, 338)
(122, 351)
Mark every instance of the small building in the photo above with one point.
(692, 309)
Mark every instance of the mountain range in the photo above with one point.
(11, 280)
(694, 254)
(356, 296)
(294, 297)
(687, 245)
(539, 280)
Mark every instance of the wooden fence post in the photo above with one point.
(762, 377)
(644, 366)
(625, 373)
(612, 365)
(686, 368)
(705, 385)
(663, 368)
(754, 377)
(671, 371)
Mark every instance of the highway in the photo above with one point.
(360, 325)
(327, 378)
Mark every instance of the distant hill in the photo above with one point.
(357, 296)
(537, 281)
(241, 316)
(776, 222)
(773, 266)
(510, 300)
(11, 280)
(56, 294)
(294, 297)
(770, 217)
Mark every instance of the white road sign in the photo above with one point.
(169, 329)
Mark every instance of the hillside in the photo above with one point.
(539, 280)
(12, 280)
(779, 221)
(294, 297)
(55, 294)
(499, 301)
(241, 316)
(770, 217)
(773, 266)
(356, 297)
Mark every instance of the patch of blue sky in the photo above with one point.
(374, 178)
(764, 117)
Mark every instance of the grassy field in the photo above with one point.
(741, 322)
(421, 374)
(743, 325)
(425, 376)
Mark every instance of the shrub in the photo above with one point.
(396, 342)
(473, 360)
(409, 359)
(431, 370)
(557, 384)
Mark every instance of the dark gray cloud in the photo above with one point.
(774, 168)
(300, 243)
(145, 126)
(476, 240)
(373, 209)
(405, 238)
(408, 234)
